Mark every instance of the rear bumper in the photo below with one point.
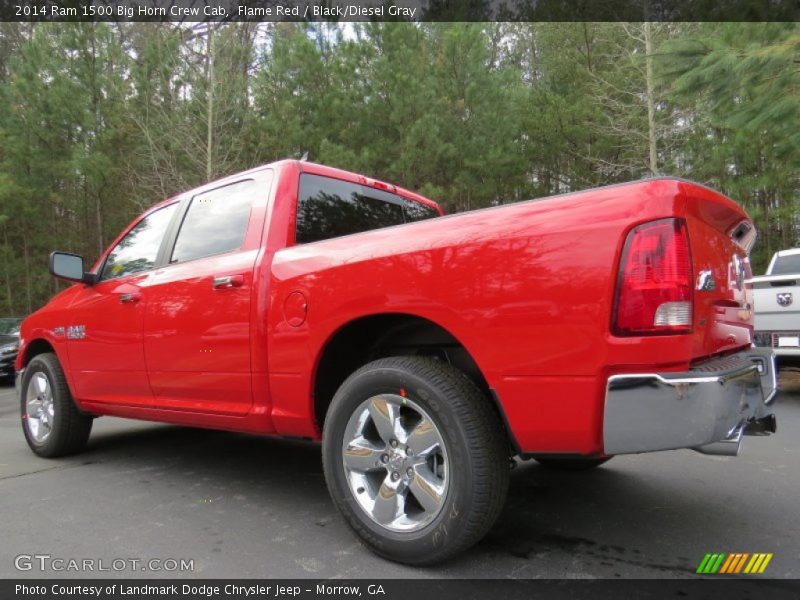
(788, 352)
(707, 408)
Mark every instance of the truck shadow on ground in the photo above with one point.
(548, 513)
(577, 514)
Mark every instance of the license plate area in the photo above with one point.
(789, 341)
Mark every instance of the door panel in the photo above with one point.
(104, 331)
(197, 339)
(197, 327)
(108, 362)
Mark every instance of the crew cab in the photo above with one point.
(424, 351)
(777, 305)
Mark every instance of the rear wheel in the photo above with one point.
(571, 464)
(52, 423)
(415, 459)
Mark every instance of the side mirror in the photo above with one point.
(70, 267)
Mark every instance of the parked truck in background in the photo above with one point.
(776, 300)
(9, 346)
(424, 351)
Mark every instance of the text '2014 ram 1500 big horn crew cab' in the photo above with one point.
(424, 351)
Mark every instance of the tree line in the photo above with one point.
(100, 120)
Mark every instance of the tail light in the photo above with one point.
(654, 285)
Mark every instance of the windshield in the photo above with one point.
(10, 326)
(786, 265)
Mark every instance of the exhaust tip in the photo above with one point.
(727, 447)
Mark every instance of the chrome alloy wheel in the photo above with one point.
(39, 409)
(395, 462)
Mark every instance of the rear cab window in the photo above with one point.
(788, 264)
(329, 208)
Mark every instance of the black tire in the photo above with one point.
(70, 427)
(571, 464)
(475, 443)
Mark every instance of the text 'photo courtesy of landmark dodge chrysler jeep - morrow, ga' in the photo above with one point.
(423, 350)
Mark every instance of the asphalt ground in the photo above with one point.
(249, 507)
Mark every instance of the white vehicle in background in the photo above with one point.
(776, 300)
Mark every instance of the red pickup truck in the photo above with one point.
(424, 351)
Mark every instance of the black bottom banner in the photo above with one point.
(395, 589)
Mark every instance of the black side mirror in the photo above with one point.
(70, 267)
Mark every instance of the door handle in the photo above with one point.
(224, 282)
(130, 298)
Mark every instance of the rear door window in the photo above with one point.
(329, 208)
(215, 222)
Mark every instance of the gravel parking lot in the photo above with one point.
(243, 506)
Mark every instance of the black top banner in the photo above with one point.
(398, 10)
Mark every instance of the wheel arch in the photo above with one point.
(381, 335)
(35, 347)
(42, 345)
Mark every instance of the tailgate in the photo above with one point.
(721, 235)
(776, 302)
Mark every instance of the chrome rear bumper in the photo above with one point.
(707, 408)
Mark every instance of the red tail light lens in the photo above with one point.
(654, 285)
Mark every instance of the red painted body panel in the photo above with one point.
(197, 338)
(526, 288)
(108, 364)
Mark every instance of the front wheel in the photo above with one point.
(52, 423)
(415, 459)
